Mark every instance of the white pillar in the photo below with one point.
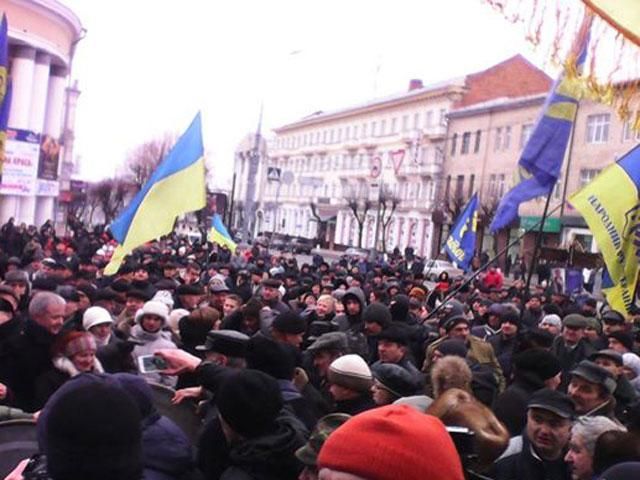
(22, 69)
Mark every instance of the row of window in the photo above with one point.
(374, 128)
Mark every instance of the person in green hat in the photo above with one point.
(308, 453)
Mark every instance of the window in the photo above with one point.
(416, 120)
(383, 128)
(466, 140)
(472, 180)
(498, 143)
(527, 130)
(454, 141)
(428, 119)
(557, 189)
(459, 186)
(331, 133)
(364, 130)
(405, 123)
(374, 129)
(588, 174)
(628, 133)
(476, 146)
(393, 126)
(355, 132)
(324, 137)
(339, 135)
(347, 133)
(496, 185)
(598, 128)
(443, 117)
(507, 138)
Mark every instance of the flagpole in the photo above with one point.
(484, 267)
(536, 249)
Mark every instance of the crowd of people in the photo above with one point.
(343, 370)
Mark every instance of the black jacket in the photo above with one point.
(356, 405)
(570, 357)
(520, 462)
(511, 405)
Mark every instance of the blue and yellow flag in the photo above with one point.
(220, 235)
(176, 187)
(5, 107)
(461, 244)
(542, 157)
(610, 206)
(4, 56)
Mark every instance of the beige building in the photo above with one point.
(42, 39)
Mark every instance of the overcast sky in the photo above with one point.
(146, 67)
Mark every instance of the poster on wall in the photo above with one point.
(21, 163)
(49, 158)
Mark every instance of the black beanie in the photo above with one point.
(249, 401)
(377, 313)
(626, 339)
(92, 431)
(453, 346)
(399, 308)
(541, 362)
(290, 322)
(270, 357)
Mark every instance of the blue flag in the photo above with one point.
(461, 244)
(542, 157)
(219, 233)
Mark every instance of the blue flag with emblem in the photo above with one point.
(219, 233)
(541, 160)
(177, 186)
(610, 206)
(461, 244)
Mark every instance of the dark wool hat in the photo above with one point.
(453, 346)
(227, 342)
(249, 401)
(289, 322)
(194, 289)
(553, 401)
(377, 313)
(332, 341)
(271, 282)
(451, 322)
(395, 379)
(396, 332)
(510, 316)
(95, 420)
(105, 294)
(541, 362)
(120, 286)
(271, 357)
(574, 320)
(165, 284)
(69, 293)
(594, 373)
(399, 308)
(613, 316)
(622, 471)
(626, 339)
(48, 284)
(139, 294)
(607, 353)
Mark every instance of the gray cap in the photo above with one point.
(226, 342)
(330, 341)
(594, 373)
(607, 353)
(575, 320)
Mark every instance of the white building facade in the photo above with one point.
(315, 165)
(42, 39)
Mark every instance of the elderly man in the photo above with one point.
(538, 453)
(584, 435)
(571, 347)
(591, 389)
(30, 354)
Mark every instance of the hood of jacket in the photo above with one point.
(141, 334)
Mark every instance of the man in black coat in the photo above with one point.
(570, 346)
(30, 353)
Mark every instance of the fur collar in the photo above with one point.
(66, 366)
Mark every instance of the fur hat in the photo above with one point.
(351, 371)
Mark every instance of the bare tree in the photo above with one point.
(144, 159)
(321, 232)
(359, 207)
(389, 202)
(110, 195)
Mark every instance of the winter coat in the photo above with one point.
(165, 447)
(356, 405)
(570, 357)
(511, 405)
(266, 457)
(353, 325)
(520, 462)
(151, 342)
(28, 358)
(503, 348)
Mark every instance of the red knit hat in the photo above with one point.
(390, 443)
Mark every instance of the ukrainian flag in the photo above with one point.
(610, 206)
(5, 89)
(220, 235)
(4, 121)
(542, 157)
(461, 244)
(4, 56)
(176, 187)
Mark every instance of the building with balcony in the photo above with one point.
(42, 38)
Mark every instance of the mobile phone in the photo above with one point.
(151, 363)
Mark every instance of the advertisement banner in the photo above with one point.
(47, 188)
(49, 158)
(22, 152)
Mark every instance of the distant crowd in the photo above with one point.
(343, 370)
